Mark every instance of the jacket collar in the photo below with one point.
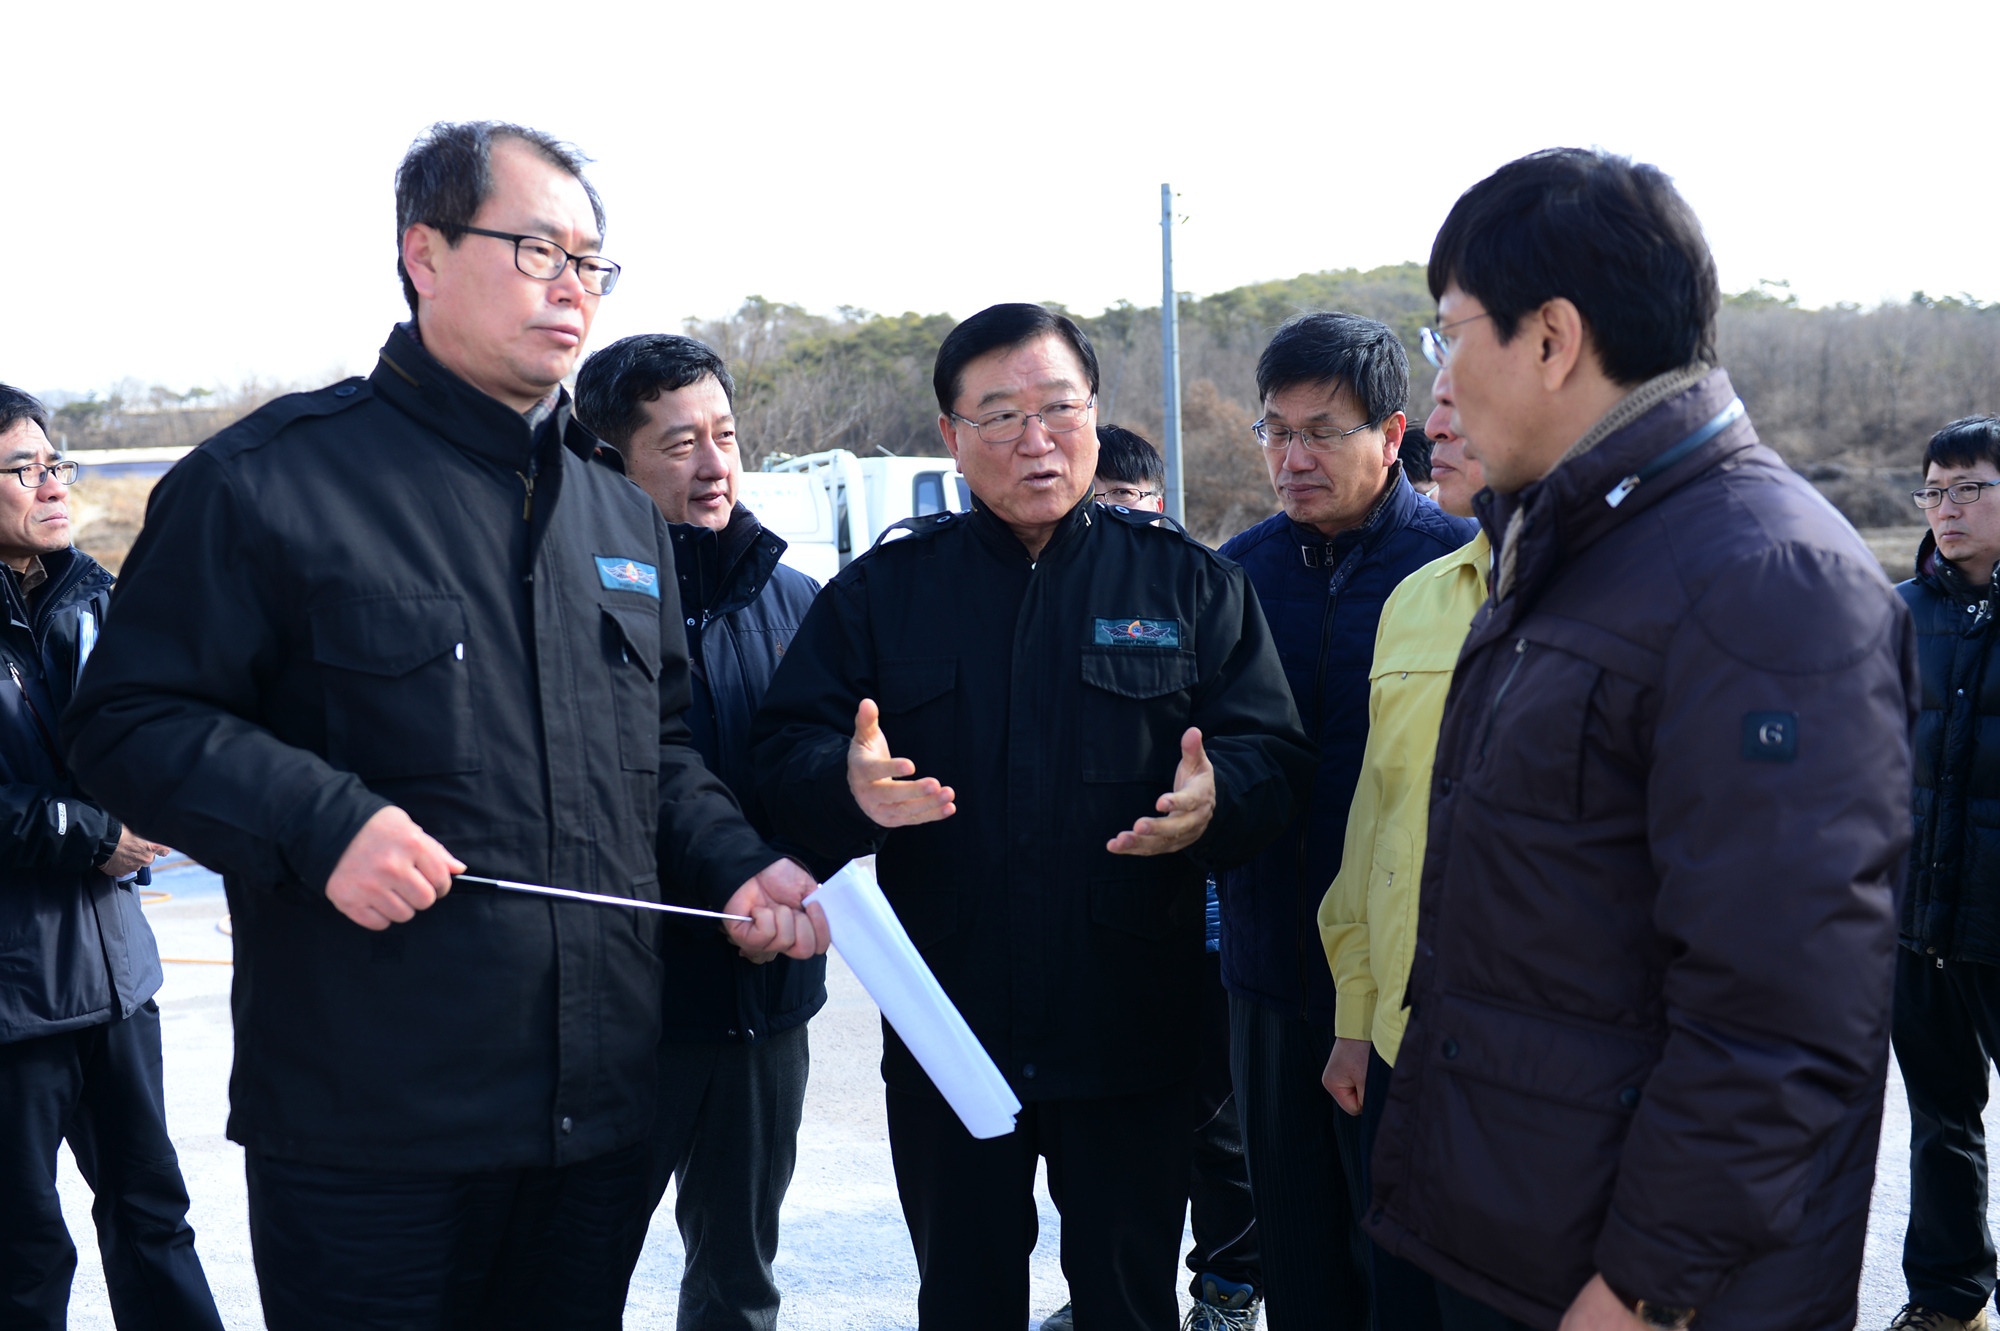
(68, 569)
(998, 537)
(1390, 514)
(1537, 528)
(416, 383)
(723, 571)
(1946, 578)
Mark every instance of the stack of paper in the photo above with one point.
(872, 942)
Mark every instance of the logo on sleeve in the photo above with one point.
(1771, 737)
(628, 575)
(1138, 633)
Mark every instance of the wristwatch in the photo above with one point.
(1663, 1316)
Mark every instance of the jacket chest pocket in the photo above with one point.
(916, 696)
(1136, 705)
(398, 694)
(1530, 753)
(631, 647)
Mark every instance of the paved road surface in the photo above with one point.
(845, 1263)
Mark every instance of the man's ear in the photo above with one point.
(1392, 438)
(421, 245)
(1562, 338)
(950, 437)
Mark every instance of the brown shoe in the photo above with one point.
(1916, 1317)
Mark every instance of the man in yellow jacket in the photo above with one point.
(1368, 919)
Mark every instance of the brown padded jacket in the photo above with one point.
(1650, 1000)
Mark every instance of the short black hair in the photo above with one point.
(1124, 455)
(447, 175)
(615, 383)
(1331, 349)
(1002, 328)
(1415, 455)
(1615, 239)
(1965, 442)
(16, 405)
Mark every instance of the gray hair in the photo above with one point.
(448, 174)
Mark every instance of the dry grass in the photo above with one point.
(106, 514)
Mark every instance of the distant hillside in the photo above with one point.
(1847, 395)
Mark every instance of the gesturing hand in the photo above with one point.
(1346, 1075)
(1188, 807)
(390, 871)
(778, 922)
(872, 774)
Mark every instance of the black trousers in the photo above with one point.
(1118, 1169)
(100, 1087)
(1221, 1213)
(1467, 1314)
(341, 1249)
(1944, 1030)
(1305, 1171)
(728, 1133)
(1406, 1297)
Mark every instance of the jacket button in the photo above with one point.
(1629, 1096)
(732, 1035)
(567, 1123)
(1028, 1071)
(1930, 951)
(749, 1034)
(345, 390)
(1444, 785)
(690, 623)
(1451, 1049)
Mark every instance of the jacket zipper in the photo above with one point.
(1493, 714)
(1318, 722)
(41, 726)
(527, 500)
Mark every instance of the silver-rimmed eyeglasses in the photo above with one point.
(544, 259)
(1004, 427)
(1316, 438)
(1128, 495)
(1437, 347)
(35, 475)
(1965, 492)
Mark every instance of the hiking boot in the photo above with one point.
(1063, 1319)
(1225, 1305)
(1916, 1317)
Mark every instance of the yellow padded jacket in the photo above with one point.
(1368, 918)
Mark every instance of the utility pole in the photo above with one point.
(1170, 357)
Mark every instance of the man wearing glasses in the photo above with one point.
(1046, 776)
(79, 1032)
(1947, 1014)
(380, 634)
(1333, 388)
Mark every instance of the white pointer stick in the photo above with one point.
(599, 899)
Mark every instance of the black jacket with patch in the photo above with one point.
(1051, 695)
(394, 591)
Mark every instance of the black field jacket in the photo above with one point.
(1051, 696)
(74, 949)
(1952, 906)
(348, 600)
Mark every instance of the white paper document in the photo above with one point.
(875, 947)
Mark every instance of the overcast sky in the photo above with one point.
(200, 193)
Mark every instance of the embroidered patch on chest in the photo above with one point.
(1138, 633)
(628, 575)
(1771, 737)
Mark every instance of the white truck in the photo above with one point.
(831, 506)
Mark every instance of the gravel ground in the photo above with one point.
(845, 1262)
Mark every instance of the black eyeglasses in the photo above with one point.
(1965, 492)
(1004, 427)
(546, 260)
(35, 475)
(1317, 439)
